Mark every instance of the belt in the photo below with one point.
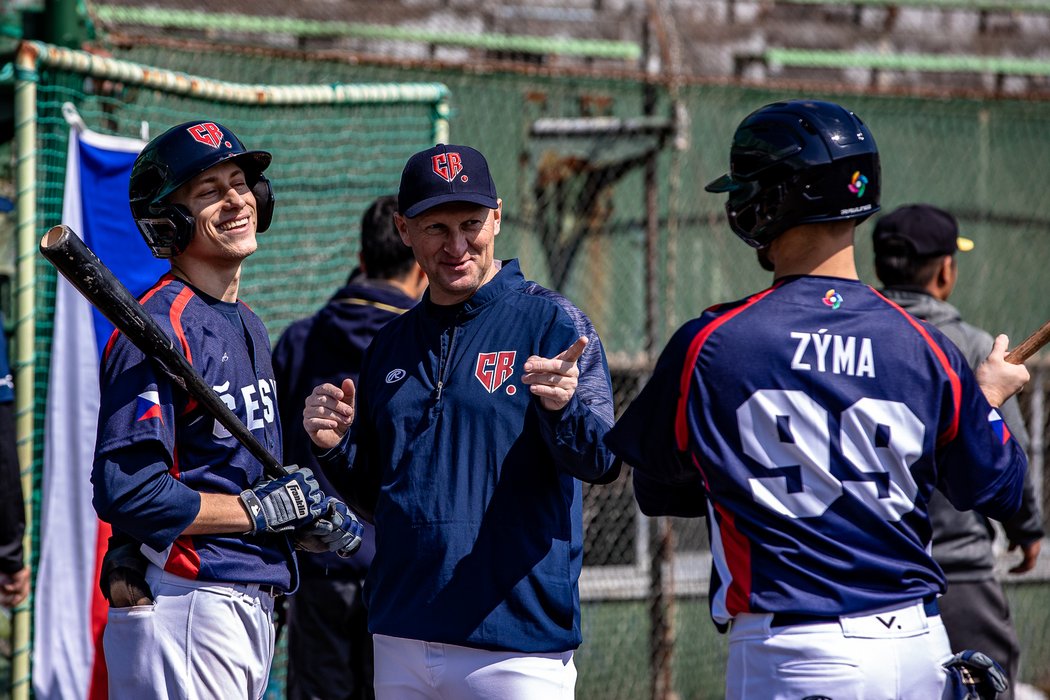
(272, 590)
(929, 606)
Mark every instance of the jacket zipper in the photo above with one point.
(446, 359)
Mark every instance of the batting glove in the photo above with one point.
(974, 676)
(338, 530)
(279, 505)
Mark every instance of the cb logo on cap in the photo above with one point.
(447, 165)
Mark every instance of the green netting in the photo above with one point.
(973, 157)
(575, 213)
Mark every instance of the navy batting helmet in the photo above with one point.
(173, 159)
(798, 162)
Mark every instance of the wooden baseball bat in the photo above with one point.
(1030, 345)
(97, 283)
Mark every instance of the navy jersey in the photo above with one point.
(475, 487)
(811, 422)
(157, 448)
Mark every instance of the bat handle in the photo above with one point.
(1029, 345)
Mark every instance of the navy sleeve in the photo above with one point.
(575, 438)
(644, 438)
(1026, 525)
(981, 465)
(686, 500)
(576, 434)
(134, 492)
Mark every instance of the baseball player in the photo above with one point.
(479, 412)
(810, 422)
(166, 474)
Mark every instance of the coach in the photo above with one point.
(480, 410)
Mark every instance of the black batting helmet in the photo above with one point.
(798, 162)
(173, 159)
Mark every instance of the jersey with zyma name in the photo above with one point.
(811, 423)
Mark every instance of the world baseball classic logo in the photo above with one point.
(447, 165)
(494, 368)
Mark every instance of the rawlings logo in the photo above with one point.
(208, 134)
(447, 165)
(494, 368)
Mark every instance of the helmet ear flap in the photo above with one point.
(167, 230)
(264, 201)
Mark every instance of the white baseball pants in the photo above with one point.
(198, 640)
(891, 653)
(408, 669)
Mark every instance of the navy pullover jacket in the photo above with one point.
(475, 488)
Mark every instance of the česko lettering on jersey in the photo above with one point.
(255, 404)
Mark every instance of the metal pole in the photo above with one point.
(662, 610)
(24, 357)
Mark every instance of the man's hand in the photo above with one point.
(1030, 552)
(338, 530)
(128, 588)
(279, 505)
(329, 412)
(122, 578)
(14, 587)
(554, 380)
(999, 379)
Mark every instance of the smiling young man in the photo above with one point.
(479, 412)
(177, 487)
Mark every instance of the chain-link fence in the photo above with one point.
(601, 168)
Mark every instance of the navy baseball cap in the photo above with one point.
(442, 174)
(922, 228)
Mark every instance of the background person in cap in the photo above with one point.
(915, 257)
(478, 414)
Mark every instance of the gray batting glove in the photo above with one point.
(280, 505)
(974, 675)
(338, 530)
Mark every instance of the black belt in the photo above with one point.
(272, 590)
(929, 606)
